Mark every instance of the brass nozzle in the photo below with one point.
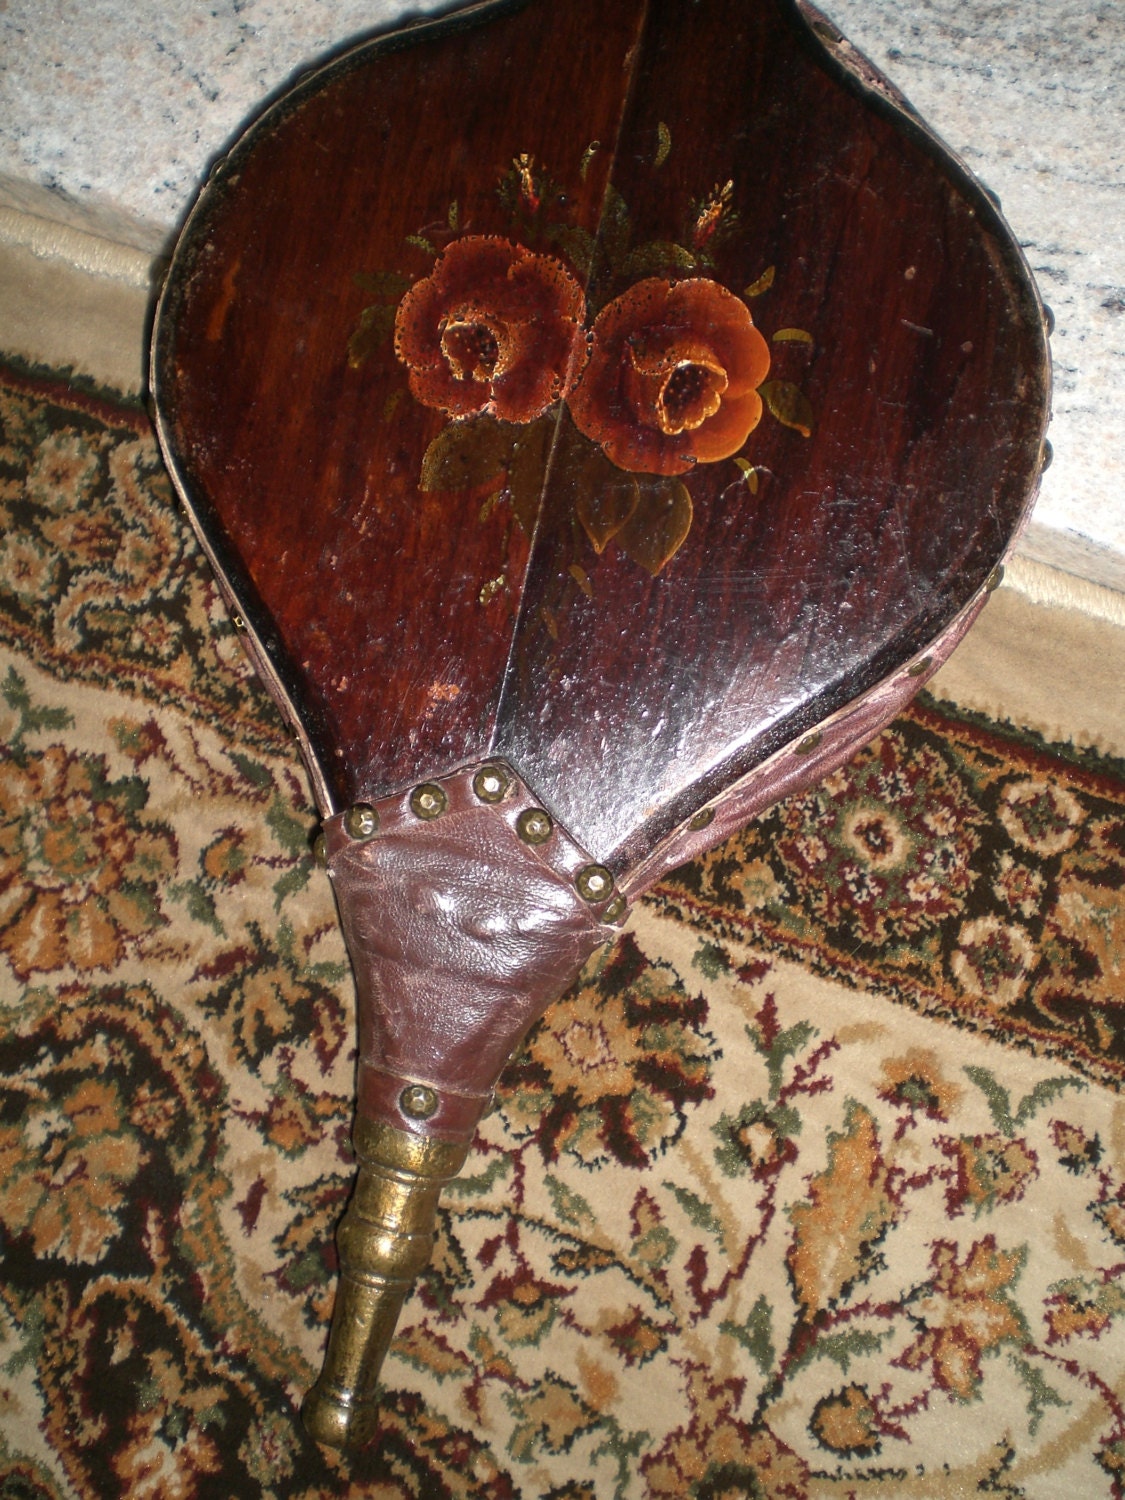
(384, 1240)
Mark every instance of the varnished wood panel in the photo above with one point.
(863, 539)
(419, 629)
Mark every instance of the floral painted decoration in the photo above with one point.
(493, 329)
(673, 377)
(648, 372)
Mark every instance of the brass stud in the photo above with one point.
(490, 783)
(808, 744)
(595, 883)
(238, 622)
(361, 822)
(320, 851)
(428, 801)
(1048, 457)
(419, 1101)
(995, 579)
(1048, 319)
(921, 667)
(615, 910)
(534, 825)
(702, 819)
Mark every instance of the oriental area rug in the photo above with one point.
(812, 1186)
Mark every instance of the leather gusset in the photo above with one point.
(461, 934)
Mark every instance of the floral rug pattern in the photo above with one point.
(813, 1185)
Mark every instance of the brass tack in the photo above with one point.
(808, 744)
(534, 825)
(418, 1101)
(921, 667)
(615, 910)
(361, 822)
(702, 819)
(320, 851)
(428, 801)
(995, 579)
(595, 883)
(490, 783)
(238, 622)
(1048, 456)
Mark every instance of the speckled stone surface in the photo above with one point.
(110, 114)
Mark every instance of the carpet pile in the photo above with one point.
(812, 1186)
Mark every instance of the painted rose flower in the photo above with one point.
(673, 377)
(493, 329)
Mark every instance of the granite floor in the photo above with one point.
(109, 118)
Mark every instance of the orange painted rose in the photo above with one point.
(673, 377)
(493, 329)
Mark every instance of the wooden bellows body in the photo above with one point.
(603, 419)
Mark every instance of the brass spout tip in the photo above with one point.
(337, 1420)
(384, 1240)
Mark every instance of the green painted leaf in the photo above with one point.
(388, 285)
(663, 144)
(659, 524)
(467, 454)
(617, 228)
(576, 243)
(607, 498)
(526, 468)
(763, 283)
(656, 258)
(34, 1333)
(375, 326)
(789, 405)
(996, 1096)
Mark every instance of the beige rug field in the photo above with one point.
(813, 1186)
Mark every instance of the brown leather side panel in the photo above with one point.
(461, 932)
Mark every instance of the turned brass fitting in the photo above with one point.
(384, 1240)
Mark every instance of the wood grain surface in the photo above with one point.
(418, 625)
